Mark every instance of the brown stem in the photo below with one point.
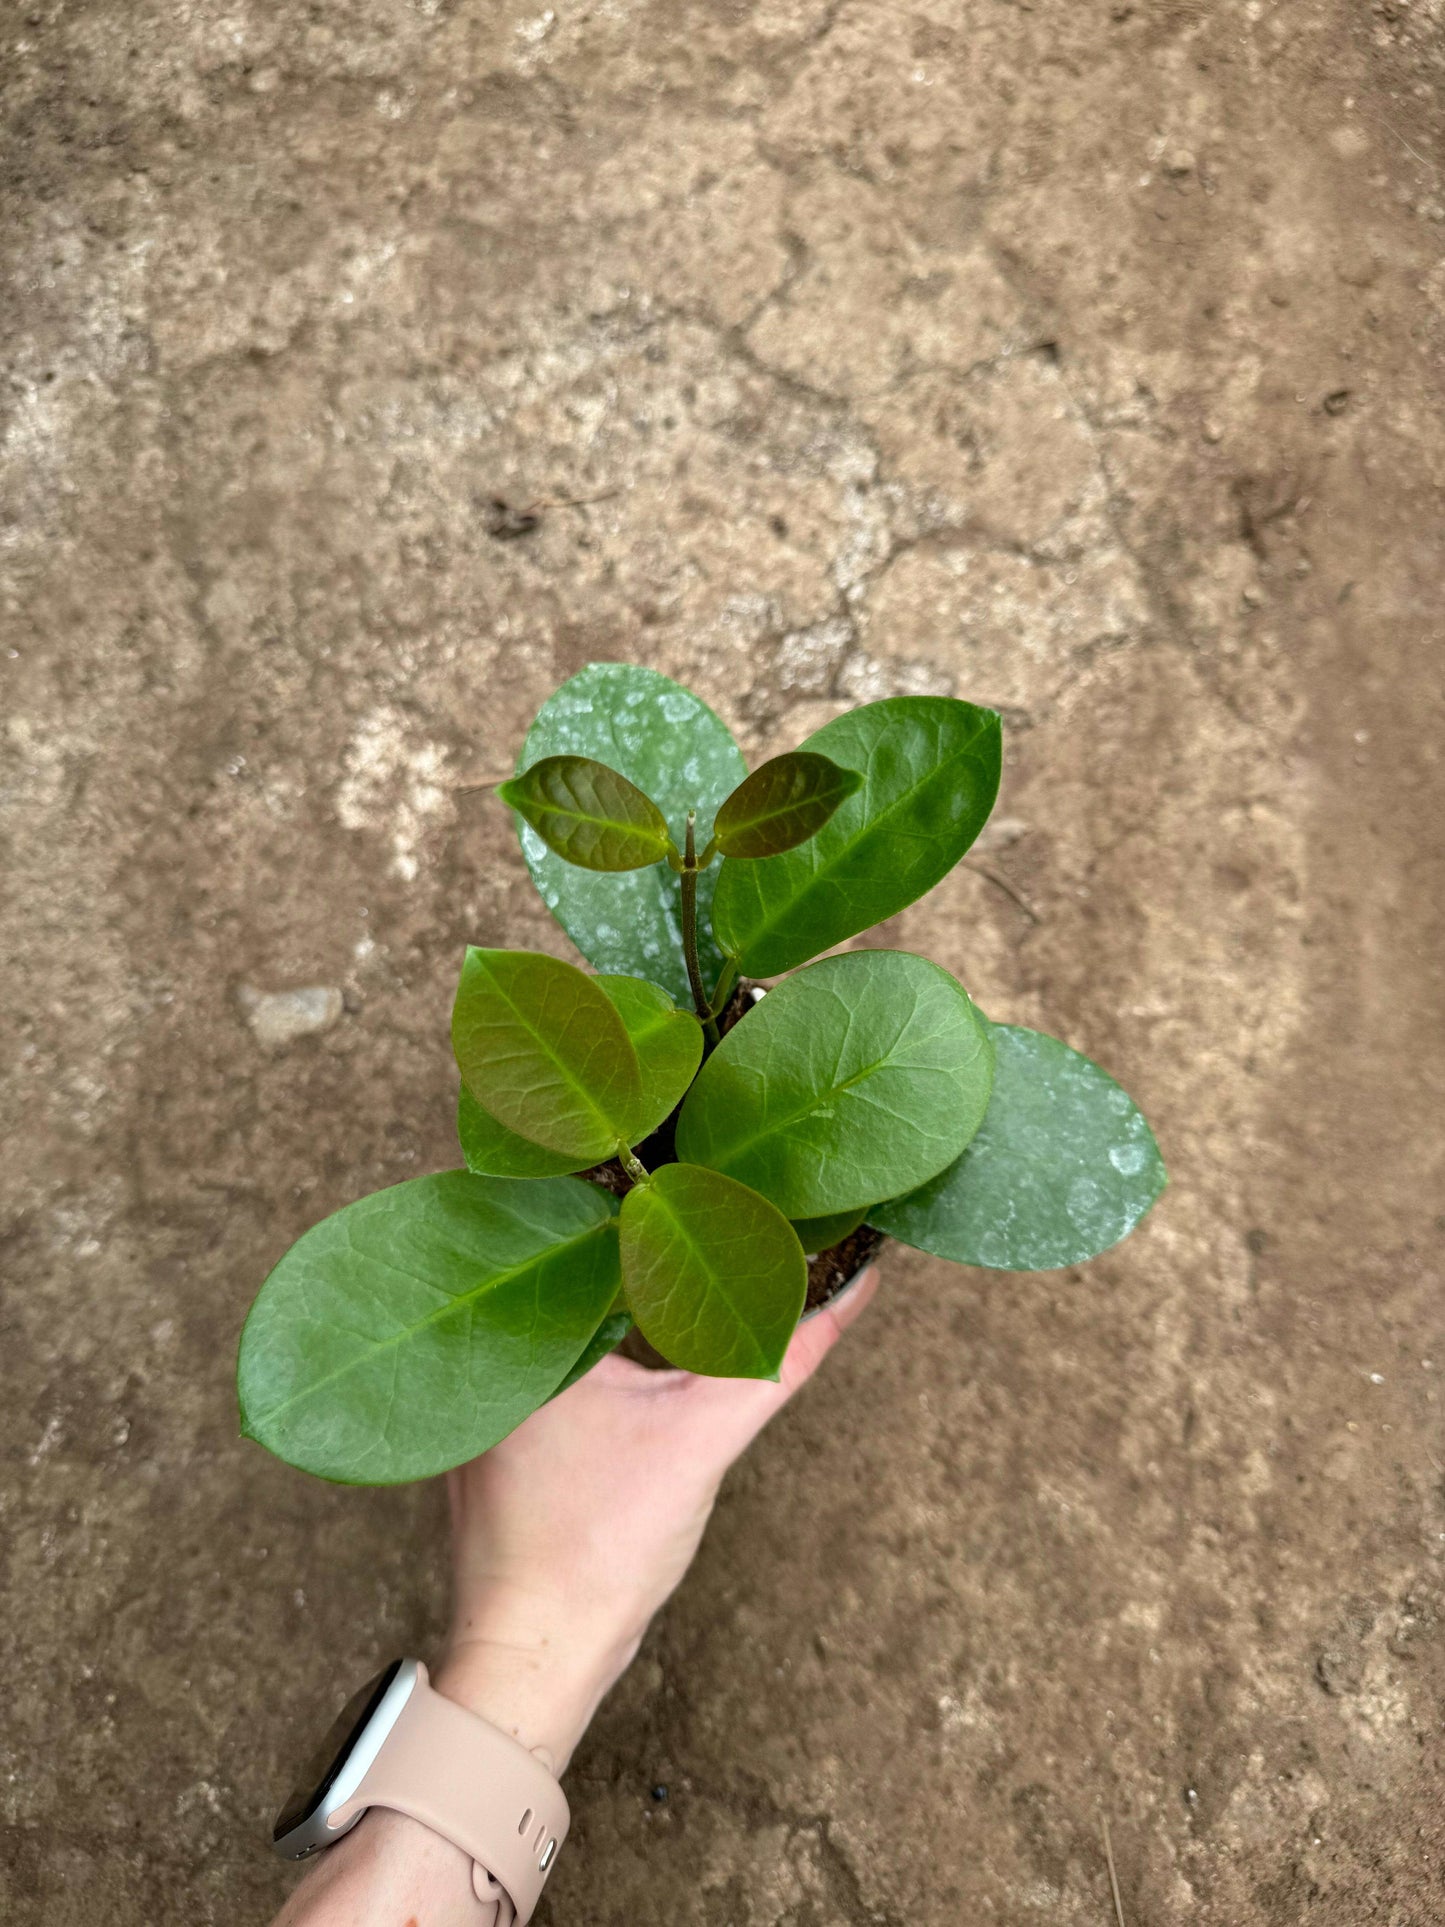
(689, 935)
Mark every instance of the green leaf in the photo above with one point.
(661, 737)
(492, 1151)
(820, 1234)
(1063, 1167)
(543, 1049)
(668, 1042)
(607, 1337)
(930, 769)
(856, 1069)
(782, 804)
(714, 1275)
(588, 814)
(412, 1330)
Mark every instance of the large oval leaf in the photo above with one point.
(544, 1050)
(713, 1274)
(668, 1042)
(1063, 1166)
(588, 814)
(930, 769)
(857, 1068)
(782, 804)
(415, 1328)
(671, 745)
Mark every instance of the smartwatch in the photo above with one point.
(397, 1743)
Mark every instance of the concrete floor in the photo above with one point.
(1077, 357)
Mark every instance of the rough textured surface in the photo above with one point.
(370, 367)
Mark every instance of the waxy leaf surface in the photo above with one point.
(856, 1069)
(713, 1274)
(1064, 1165)
(930, 770)
(589, 814)
(544, 1050)
(782, 804)
(819, 1234)
(607, 1337)
(671, 745)
(415, 1328)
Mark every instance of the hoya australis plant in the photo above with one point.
(656, 1145)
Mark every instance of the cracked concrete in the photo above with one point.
(371, 367)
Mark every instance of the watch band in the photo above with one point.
(475, 1786)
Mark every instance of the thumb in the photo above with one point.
(816, 1336)
(738, 1408)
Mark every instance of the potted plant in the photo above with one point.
(658, 1145)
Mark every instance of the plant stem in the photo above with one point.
(727, 977)
(689, 931)
(633, 1166)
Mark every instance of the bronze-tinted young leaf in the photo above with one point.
(589, 814)
(415, 1328)
(667, 741)
(713, 1274)
(782, 804)
(492, 1151)
(1063, 1166)
(544, 1050)
(668, 1042)
(930, 769)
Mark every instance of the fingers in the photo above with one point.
(742, 1406)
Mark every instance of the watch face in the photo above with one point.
(331, 1756)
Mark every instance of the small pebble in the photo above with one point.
(659, 1793)
(279, 1017)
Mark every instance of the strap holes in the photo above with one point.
(525, 1821)
(549, 1855)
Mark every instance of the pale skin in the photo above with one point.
(566, 1539)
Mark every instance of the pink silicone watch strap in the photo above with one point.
(478, 1788)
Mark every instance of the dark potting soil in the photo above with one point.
(831, 1270)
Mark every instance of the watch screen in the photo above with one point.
(331, 1756)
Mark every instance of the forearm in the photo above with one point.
(568, 1536)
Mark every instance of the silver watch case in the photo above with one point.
(338, 1782)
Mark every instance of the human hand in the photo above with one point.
(568, 1536)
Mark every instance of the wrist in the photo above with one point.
(536, 1678)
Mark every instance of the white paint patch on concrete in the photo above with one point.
(393, 785)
